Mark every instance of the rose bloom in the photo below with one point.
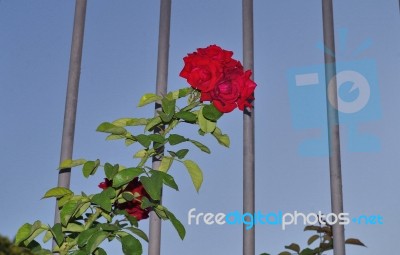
(220, 78)
(236, 90)
(132, 207)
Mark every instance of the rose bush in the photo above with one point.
(129, 193)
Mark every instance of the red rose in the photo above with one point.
(220, 78)
(201, 72)
(132, 207)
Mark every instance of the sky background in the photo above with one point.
(119, 65)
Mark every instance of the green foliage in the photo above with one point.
(324, 234)
(87, 221)
(8, 248)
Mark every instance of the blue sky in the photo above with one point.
(119, 65)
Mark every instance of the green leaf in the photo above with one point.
(139, 233)
(85, 235)
(95, 240)
(170, 182)
(69, 163)
(109, 227)
(293, 247)
(168, 106)
(152, 123)
(110, 171)
(153, 185)
(354, 241)
(74, 227)
(23, 233)
(312, 239)
(90, 167)
(201, 146)
(112, 137)
(165, 164)
(157, 138)
(181, 153)
(195, 173)
(103, 200)
(144, 140)
(57, 192)
(131, 246)
(176, 223)
(128, 196)
(206, 125)
(107, 127)
(186, 116)
(58, 234)
(146, 203)
(125, 176)
(100, 251)
(285, 253)
(179, 93)
(221, 138)
(211, 113)
(140, 154)
(176, 139)
(47, 236)
(148, 98)
(123, 122)
(68, 211)
(307, 251)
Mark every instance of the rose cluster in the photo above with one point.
(132, 207)
(220, 78)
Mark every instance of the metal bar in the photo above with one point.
(161, 89)
(248, 131)
(71, 101)
(333, 126)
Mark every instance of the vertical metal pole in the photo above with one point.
(333, 126)
(161, 89)
(71, 101)
(248, 132)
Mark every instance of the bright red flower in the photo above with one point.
(220, 78)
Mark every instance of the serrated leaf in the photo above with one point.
(207, 126)
(195, 173)
(165, 164)
(107, 127)
(100, 251)
(176, 139)
(168, 106)
(73, 227)
(123, 122)
(125, 176)
(293, 247)
(148, 98)
(201, 146)
(307, 251)
(90, 167)
(170, 182)
(47, 236)
(140, 153)
(285, 253)
(354, 241)
(69, 163)
(109, 227)
(112, 137)
(131, 246)
(57, 192)
(176, 223)
(211, 113)
(95, 240)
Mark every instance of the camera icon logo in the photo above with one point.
(358, 103)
